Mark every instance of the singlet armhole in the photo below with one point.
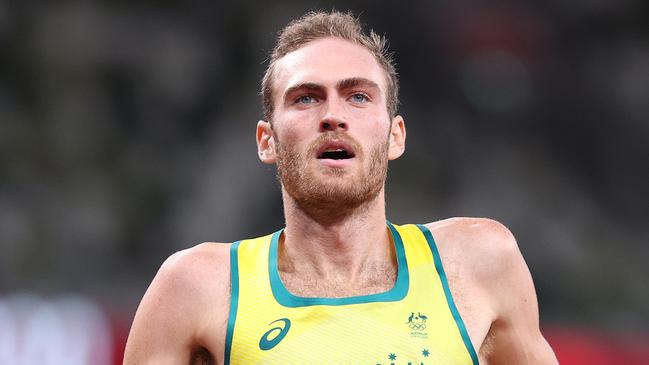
(447, 292)
(234, 300)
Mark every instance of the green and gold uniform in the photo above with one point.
(414, 323)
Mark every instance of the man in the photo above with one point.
(339, 285)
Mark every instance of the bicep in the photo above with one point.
(161, 332)
(516, 334)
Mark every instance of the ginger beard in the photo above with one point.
(334, 192)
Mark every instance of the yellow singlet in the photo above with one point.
(414, 323)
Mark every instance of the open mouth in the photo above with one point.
(338, 154)
(335, 151)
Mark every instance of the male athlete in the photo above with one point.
(340, 285)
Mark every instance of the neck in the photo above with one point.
(338, 247)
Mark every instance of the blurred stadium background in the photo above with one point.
(127, 133)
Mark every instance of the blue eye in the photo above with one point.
(359, 98)
(306, 99)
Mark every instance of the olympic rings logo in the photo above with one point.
(417, 326)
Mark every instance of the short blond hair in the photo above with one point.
(317, 25)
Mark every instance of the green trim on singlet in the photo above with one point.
(234, 299)
(285, 298)
(449, 298)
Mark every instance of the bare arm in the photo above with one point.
(175, 320)
(515, 337)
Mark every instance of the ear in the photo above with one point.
(397, 138)
(266, 142)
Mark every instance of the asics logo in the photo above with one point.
(274, 335)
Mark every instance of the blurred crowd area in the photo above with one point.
(127, 133)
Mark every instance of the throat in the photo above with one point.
(373, 280)
(357, 257)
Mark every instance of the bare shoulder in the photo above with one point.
(484, 228)
(483, 245)
(201, 271)
(185, 307)
(197, 280)
(207, 260)
(475, 253)
(487, 266)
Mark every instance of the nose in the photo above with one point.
(329, 125)
(333, 119)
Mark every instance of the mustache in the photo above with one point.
(335, 136)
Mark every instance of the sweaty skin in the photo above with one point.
(336, 88)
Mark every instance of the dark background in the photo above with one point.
(127, 133)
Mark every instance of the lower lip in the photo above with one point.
(336, 163)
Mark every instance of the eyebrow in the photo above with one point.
(305, 85)
(343, 84)
(356, 82)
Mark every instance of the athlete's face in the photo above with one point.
(331, 134)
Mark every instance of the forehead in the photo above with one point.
(327, 61)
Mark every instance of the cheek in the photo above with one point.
(379, 130)
(291, 138)
(284, 133)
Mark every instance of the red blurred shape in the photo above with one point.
(583, 347)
